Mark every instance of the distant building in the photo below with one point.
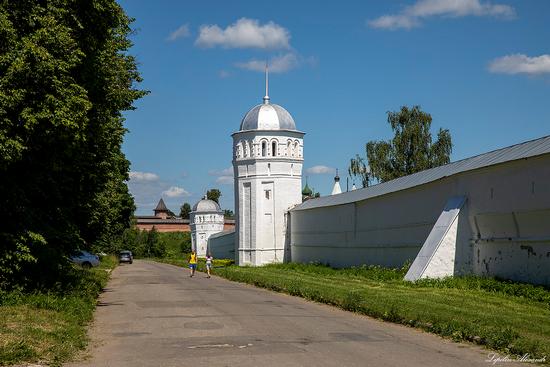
(206, 219)
(161, 211)
(336, 189)
(164, 222)
(307, 192)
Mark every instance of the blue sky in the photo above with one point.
(481, 69)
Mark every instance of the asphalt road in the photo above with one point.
(155, 315)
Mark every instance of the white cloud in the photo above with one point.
(225, 176)
(279, 64)
(147, 188)
(521, 64)
(244, 33)
(225, 180)
(394, 22)
(181, 32)
(224, 74)
(175, 191)
(411, 16)
(221, 172)
(320, 170)
(143, 176)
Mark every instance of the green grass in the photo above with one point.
(182, 261)
(504, 316)
(50, 327)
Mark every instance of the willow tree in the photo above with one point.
(412, 148)
(358, 168)
(65, 79)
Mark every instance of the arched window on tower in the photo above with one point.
(246, 149)
(238, 150)
(264, 148)
(289, 148)
(296, 148)
(273, 148)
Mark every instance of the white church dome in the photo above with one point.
(267, 116)
(206, 205)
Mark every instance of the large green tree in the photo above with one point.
(185, 209)
(411, 149)
(214, 194)
(65, 79)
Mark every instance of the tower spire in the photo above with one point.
(266, 97)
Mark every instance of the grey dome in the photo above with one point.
(268, 116)
(206, 205)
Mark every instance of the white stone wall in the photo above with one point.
(203, 225)
(268, 182)
(222, 245)
(504, 232)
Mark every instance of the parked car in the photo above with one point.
(125, 257)
(84, 259)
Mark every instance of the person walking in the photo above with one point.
(192, 263)
(209, 259)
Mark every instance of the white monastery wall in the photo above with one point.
(222, 245)
(503, 230)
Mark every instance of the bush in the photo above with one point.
(49, 326)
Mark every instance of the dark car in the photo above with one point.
(125, 257)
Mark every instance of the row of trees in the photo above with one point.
(65, 78)
(151, 243)
(411, 149)
(142, 243)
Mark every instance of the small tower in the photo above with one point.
(205, 219)
(267, 164)
(336, 189)
(161, 211)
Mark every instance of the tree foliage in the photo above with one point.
(358, 168)
(185, 209)
(142, 243)
(65, 78)
(411, 149)
(214, 194)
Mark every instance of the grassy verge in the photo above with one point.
(216, 263)
(50, 327)
(504, 316)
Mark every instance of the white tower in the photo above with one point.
(267, 163)
(205, 219)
